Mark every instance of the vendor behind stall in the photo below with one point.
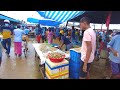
(65, 41)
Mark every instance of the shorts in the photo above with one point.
(115, 68)
(82, 73)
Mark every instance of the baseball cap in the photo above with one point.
(7, 21)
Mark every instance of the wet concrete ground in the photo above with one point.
(22, 68)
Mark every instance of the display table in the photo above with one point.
(43, 56)
(39, 53)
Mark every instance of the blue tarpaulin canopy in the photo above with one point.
(43, 22)
(32, 20)
(8, 18)
(60, 16)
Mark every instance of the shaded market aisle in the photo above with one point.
(20, 67)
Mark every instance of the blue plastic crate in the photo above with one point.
(74, 67)
(73, 75)
(75, 56)
(76, 59)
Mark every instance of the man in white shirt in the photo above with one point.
(18, 41)
(88, 47)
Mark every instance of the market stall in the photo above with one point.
(50, 69)
(42, 50)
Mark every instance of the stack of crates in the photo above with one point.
(74, 64)
(57, 70)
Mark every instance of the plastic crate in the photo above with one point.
(73, 75)
(75, 56)
(74, 66)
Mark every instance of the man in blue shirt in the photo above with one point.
(114, 55)
(73, 35)
(26, 31)
(57, 32)
(43, 34)
(67, 42)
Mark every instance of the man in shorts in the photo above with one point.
(88, 47)
(114, 55)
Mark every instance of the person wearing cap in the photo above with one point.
(61, 33)
(6, 31)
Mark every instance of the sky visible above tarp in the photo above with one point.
(3, 17)
(21, 15)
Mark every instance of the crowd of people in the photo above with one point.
(67, 36)
(92, 42)
(8, 31)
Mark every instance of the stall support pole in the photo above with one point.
(101, 26)
(66, 24)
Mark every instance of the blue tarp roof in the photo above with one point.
(60, 16)
(8, 18)
(32, 20)
(43, 22)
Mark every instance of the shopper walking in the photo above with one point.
(18, 41)
(6, 31)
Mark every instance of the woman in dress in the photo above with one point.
(18, 41)
(50, 37)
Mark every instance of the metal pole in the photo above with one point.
(101, 26)
(66, 24)
(94, 26)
